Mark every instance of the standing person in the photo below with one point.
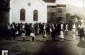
(61, 32)
(13, 30)
(56, 28)
(32, 34)
(26, 27)
(79, 27)
(44, 34)
(53, 32)
(9, 31)
(38, 29)
(16, 30)
(81, 33)
(28, 30)
(74, 31)
(20, 29)
(23, 35)
(66, 29)
(50, 30)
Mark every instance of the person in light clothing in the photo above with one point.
(32, 34)
(61, 32)
(66, 28)
(44, 33)
(50, 31)
(74, 31)
(23, 33)
(61, 35)
(38, 30)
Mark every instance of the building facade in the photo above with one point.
(28, 11)
(56, 13)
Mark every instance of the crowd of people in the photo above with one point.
(33, 29)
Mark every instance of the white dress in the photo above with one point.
(32, 34)
(61, 34)
(44, 34)
(50, 30)
(38, 30)
(66, 28)
(74, 28)
(23, 35)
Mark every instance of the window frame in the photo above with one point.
(22, 14)
(35, 15)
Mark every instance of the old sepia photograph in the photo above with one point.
(42, 27)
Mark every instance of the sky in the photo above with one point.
(78, 3)
(77, 6)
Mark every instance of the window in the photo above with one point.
(35, 15)
(29, 4)
(22, 15)
(60, 10)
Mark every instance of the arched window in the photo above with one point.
(35, 15)
(22, 15)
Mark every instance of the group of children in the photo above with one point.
(53, 29)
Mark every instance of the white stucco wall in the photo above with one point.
(16, 5)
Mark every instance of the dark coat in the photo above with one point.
(53, 33)
(81, 32)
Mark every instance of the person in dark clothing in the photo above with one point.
(32, 33)
(13, 30)
(35, 27)
(58, 29)
(53, 32)
(17, 30)
(9, 31)
(81, 33)
(26, 29)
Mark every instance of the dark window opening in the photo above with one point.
(35, 15)
(22, 15)
(60, 10)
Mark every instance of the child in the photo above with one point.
(44, 35)
(23, 33)
(38, 30)
(74, 30)
(61, 33)
(66, 29)
(32, 34)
